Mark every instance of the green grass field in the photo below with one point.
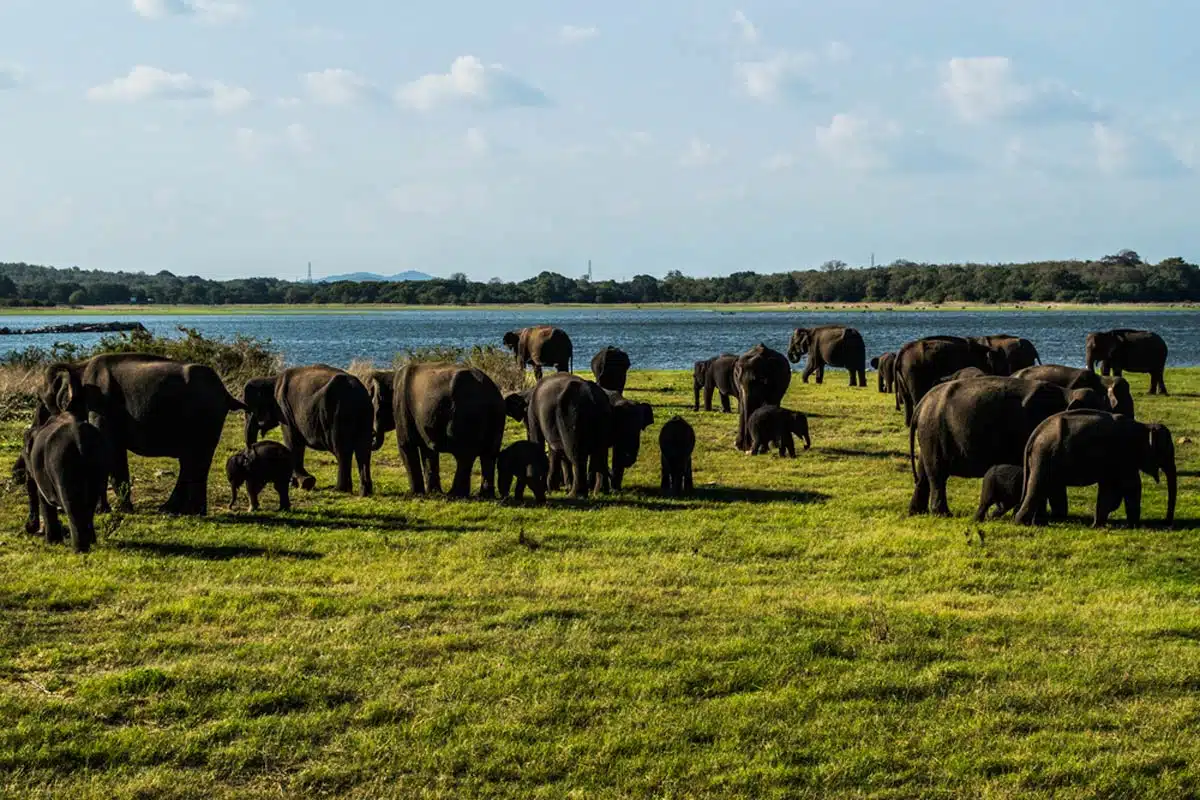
(789, 632)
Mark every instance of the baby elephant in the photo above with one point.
(65, 466)
(676, 441)
(774, 425)
(527, 464)
(262, 463)
(1002, 487)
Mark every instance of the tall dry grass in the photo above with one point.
(495, 362)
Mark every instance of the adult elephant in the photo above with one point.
(920, 364)
(1081, 448)
(1125, 350)
(761, 376)
(573, 418)
(438, 407)
(316, 407)
(885, 366)
(830, 346)
(541, 346)
(151, 406)
(1018, 353)
(966, 427)
(611, 367)
(714, 375)
(1120, 398)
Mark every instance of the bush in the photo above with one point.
(498, 364)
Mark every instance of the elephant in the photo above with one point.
(1018, 353)
(1120, 398)
(516, 405)
(965, 372)
(152, 406)
(441, 407)
(762, 376)
(319, 407)
(574, 418)
(676, 443)
(920, 363)
(1002, 485)
(886, 367)
(263, 463)
(967, 427)
(1125, 350)
(611, 367)
(527, 464)
(1079, 448)
(541, 346)
(833, 346)
(774, 425)
(64, 464)
(714, 374)
(629, 420)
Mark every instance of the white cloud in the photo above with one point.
(205, 10)
(337, 87)
(151, 83)
(784, 76)
(1121, 153)
(470, 82)
(251, 144)
(986, 88)
(11, 76)
(575, 33)
(700, 154)
(746, 27)
(860, 143)
(476, 143)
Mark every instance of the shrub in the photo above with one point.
(497, 363)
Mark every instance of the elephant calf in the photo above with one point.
(1002, 485)
(527, 464)
(886, 367)
(676, 442)
(260, 464)
(774, 425)
(65, 464)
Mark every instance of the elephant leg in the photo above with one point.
(461, 486)
(985, 502)
(519, 488)
(668, 468)
(937, 495)
(196, 488)
(537, 372)
(809, 369)
(579, 462)
(1131, 490)
(862, 378)
(1108, 497)
(412, 463)
(121, 484)
(687, 477)
(708, 393)
(1156, 379)
(787, 446)
(285, 502)
(919, 504)
(362, 456)
(297, 445)
(555, 478)
(820, 373)
(33, 518)
(725, 407)
(1033, 498)
(252, 489)
(433, 470)
(1058, 502)
(79, 521)
(487, 476)
(50, 522)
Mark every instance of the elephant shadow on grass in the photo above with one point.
(338, 522)
(652, 500)
(212, 552)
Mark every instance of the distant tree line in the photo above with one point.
(1123, 277)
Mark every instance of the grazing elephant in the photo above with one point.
(611, 366)
(516, 405)
(152, 406)
(438, 407)
(1125, 350)
(264, 463)
(64, 463)
(965, 372)
(774, 425)
(541, 346)
(1120, 398)
(762, 376)
(714, 374)
(885, 365)
(676, 443)
(319, 407)
(1002, 485)
(921, 363)
(629, 420)
(574, 418)
(1079, 448)
(967, 427)
(1018, 353)
(832, 346)
(527, 464)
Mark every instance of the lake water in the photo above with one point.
(654, 339)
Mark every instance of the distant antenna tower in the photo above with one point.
(589, 270)
(310, 272)
(872, 259)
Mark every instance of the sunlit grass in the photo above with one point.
(788, 632)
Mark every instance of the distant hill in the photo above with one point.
(368, 277)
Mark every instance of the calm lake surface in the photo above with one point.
(654, 339)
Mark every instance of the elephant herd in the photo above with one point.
(977, 407)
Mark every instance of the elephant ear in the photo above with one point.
(64, 391)
(1083, 398)
(647, 412)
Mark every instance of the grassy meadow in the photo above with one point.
(788, 632)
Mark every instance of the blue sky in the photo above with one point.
(247, 137)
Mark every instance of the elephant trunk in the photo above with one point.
(1090, 355)
(251, 430)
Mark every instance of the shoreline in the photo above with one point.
(716, 308)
